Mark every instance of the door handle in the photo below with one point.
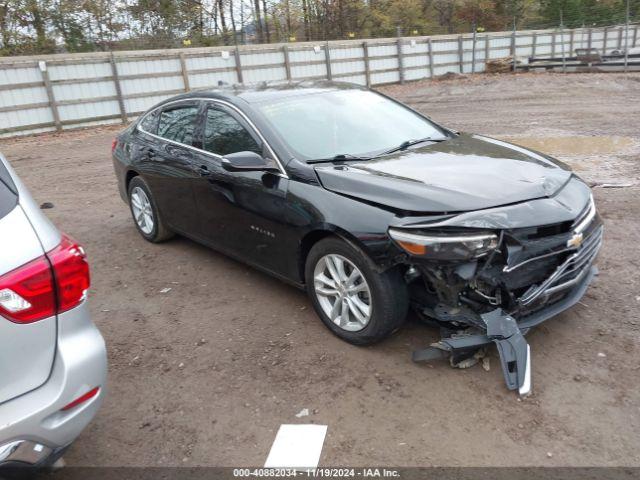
(203, 171)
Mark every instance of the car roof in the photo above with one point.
(268, 91)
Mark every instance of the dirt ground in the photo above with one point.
(205, 373)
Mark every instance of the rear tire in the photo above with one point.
(145, 213)
(357, 303)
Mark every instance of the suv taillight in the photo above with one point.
(71, 273)
(27, 293)
(53, 283)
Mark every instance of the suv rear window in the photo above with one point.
(8, 192)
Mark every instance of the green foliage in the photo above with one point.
(47, 26)
(576, 13)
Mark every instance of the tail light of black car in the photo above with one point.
(50, 284)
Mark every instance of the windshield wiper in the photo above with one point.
(410, 143)
(339, 157)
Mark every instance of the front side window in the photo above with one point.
(345, 122)
(178, 124)
(223, 134)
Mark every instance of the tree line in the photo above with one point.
(50, 26)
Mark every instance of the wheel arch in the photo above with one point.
(131, 173)
(320, 233)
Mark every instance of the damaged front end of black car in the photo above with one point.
(484, 277)
(508, 240)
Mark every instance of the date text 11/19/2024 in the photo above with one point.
(327, 472)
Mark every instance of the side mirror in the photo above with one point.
(247, 162)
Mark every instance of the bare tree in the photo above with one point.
(445, 10)
(258, 20)
(266, 21)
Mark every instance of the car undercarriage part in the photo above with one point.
(531, 275)
(501, 329)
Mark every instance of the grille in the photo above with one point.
(569, 272)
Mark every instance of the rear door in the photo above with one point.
(167, 166)
(26, 350)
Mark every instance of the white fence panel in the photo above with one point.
(23, 96)
(210, 80)
(265, 74)
(416, 74)
(139, 67)
(356, 66)
(18, 75)
(86, 70)
(309, 71)
(83, 89)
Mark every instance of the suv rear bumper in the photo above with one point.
(21, 453)
(35, 419)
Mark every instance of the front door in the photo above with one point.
(240, 213)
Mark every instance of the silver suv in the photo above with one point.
(53, 363)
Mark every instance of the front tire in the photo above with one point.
(357, 303)
(146, 215)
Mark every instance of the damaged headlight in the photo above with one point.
(445, 247)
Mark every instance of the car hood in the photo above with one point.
(468, 172)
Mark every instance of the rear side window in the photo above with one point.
(8, 195)
(223, 134)
(150, 122)
(178, 124)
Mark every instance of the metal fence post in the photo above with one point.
(571, 33)
(620, 33)
(116, 82)
(635, 35)
(553, 44)
(238, 65)
(604, 42)
(473, 52)
(287, 63)
(534, 41)
(513, 47)
(52, 99)
(487, 50)
(564, 59)
(400, 60)
(367, 70)
(327, 59)
(626, 38)
(589, 38)
(430, 52)
(185, 72)
(460, 54)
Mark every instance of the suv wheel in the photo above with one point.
(357, 303)
(145, 212)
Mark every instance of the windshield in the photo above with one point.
(345, 122)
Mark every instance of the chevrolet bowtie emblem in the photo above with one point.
(575, 241)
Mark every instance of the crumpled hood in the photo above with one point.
(469, 172)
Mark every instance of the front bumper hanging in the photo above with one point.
(508, 335)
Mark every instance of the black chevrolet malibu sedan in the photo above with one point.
(371, 207)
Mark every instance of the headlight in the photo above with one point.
(443, 246)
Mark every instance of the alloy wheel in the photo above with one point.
(342, 292)
(142, 211)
